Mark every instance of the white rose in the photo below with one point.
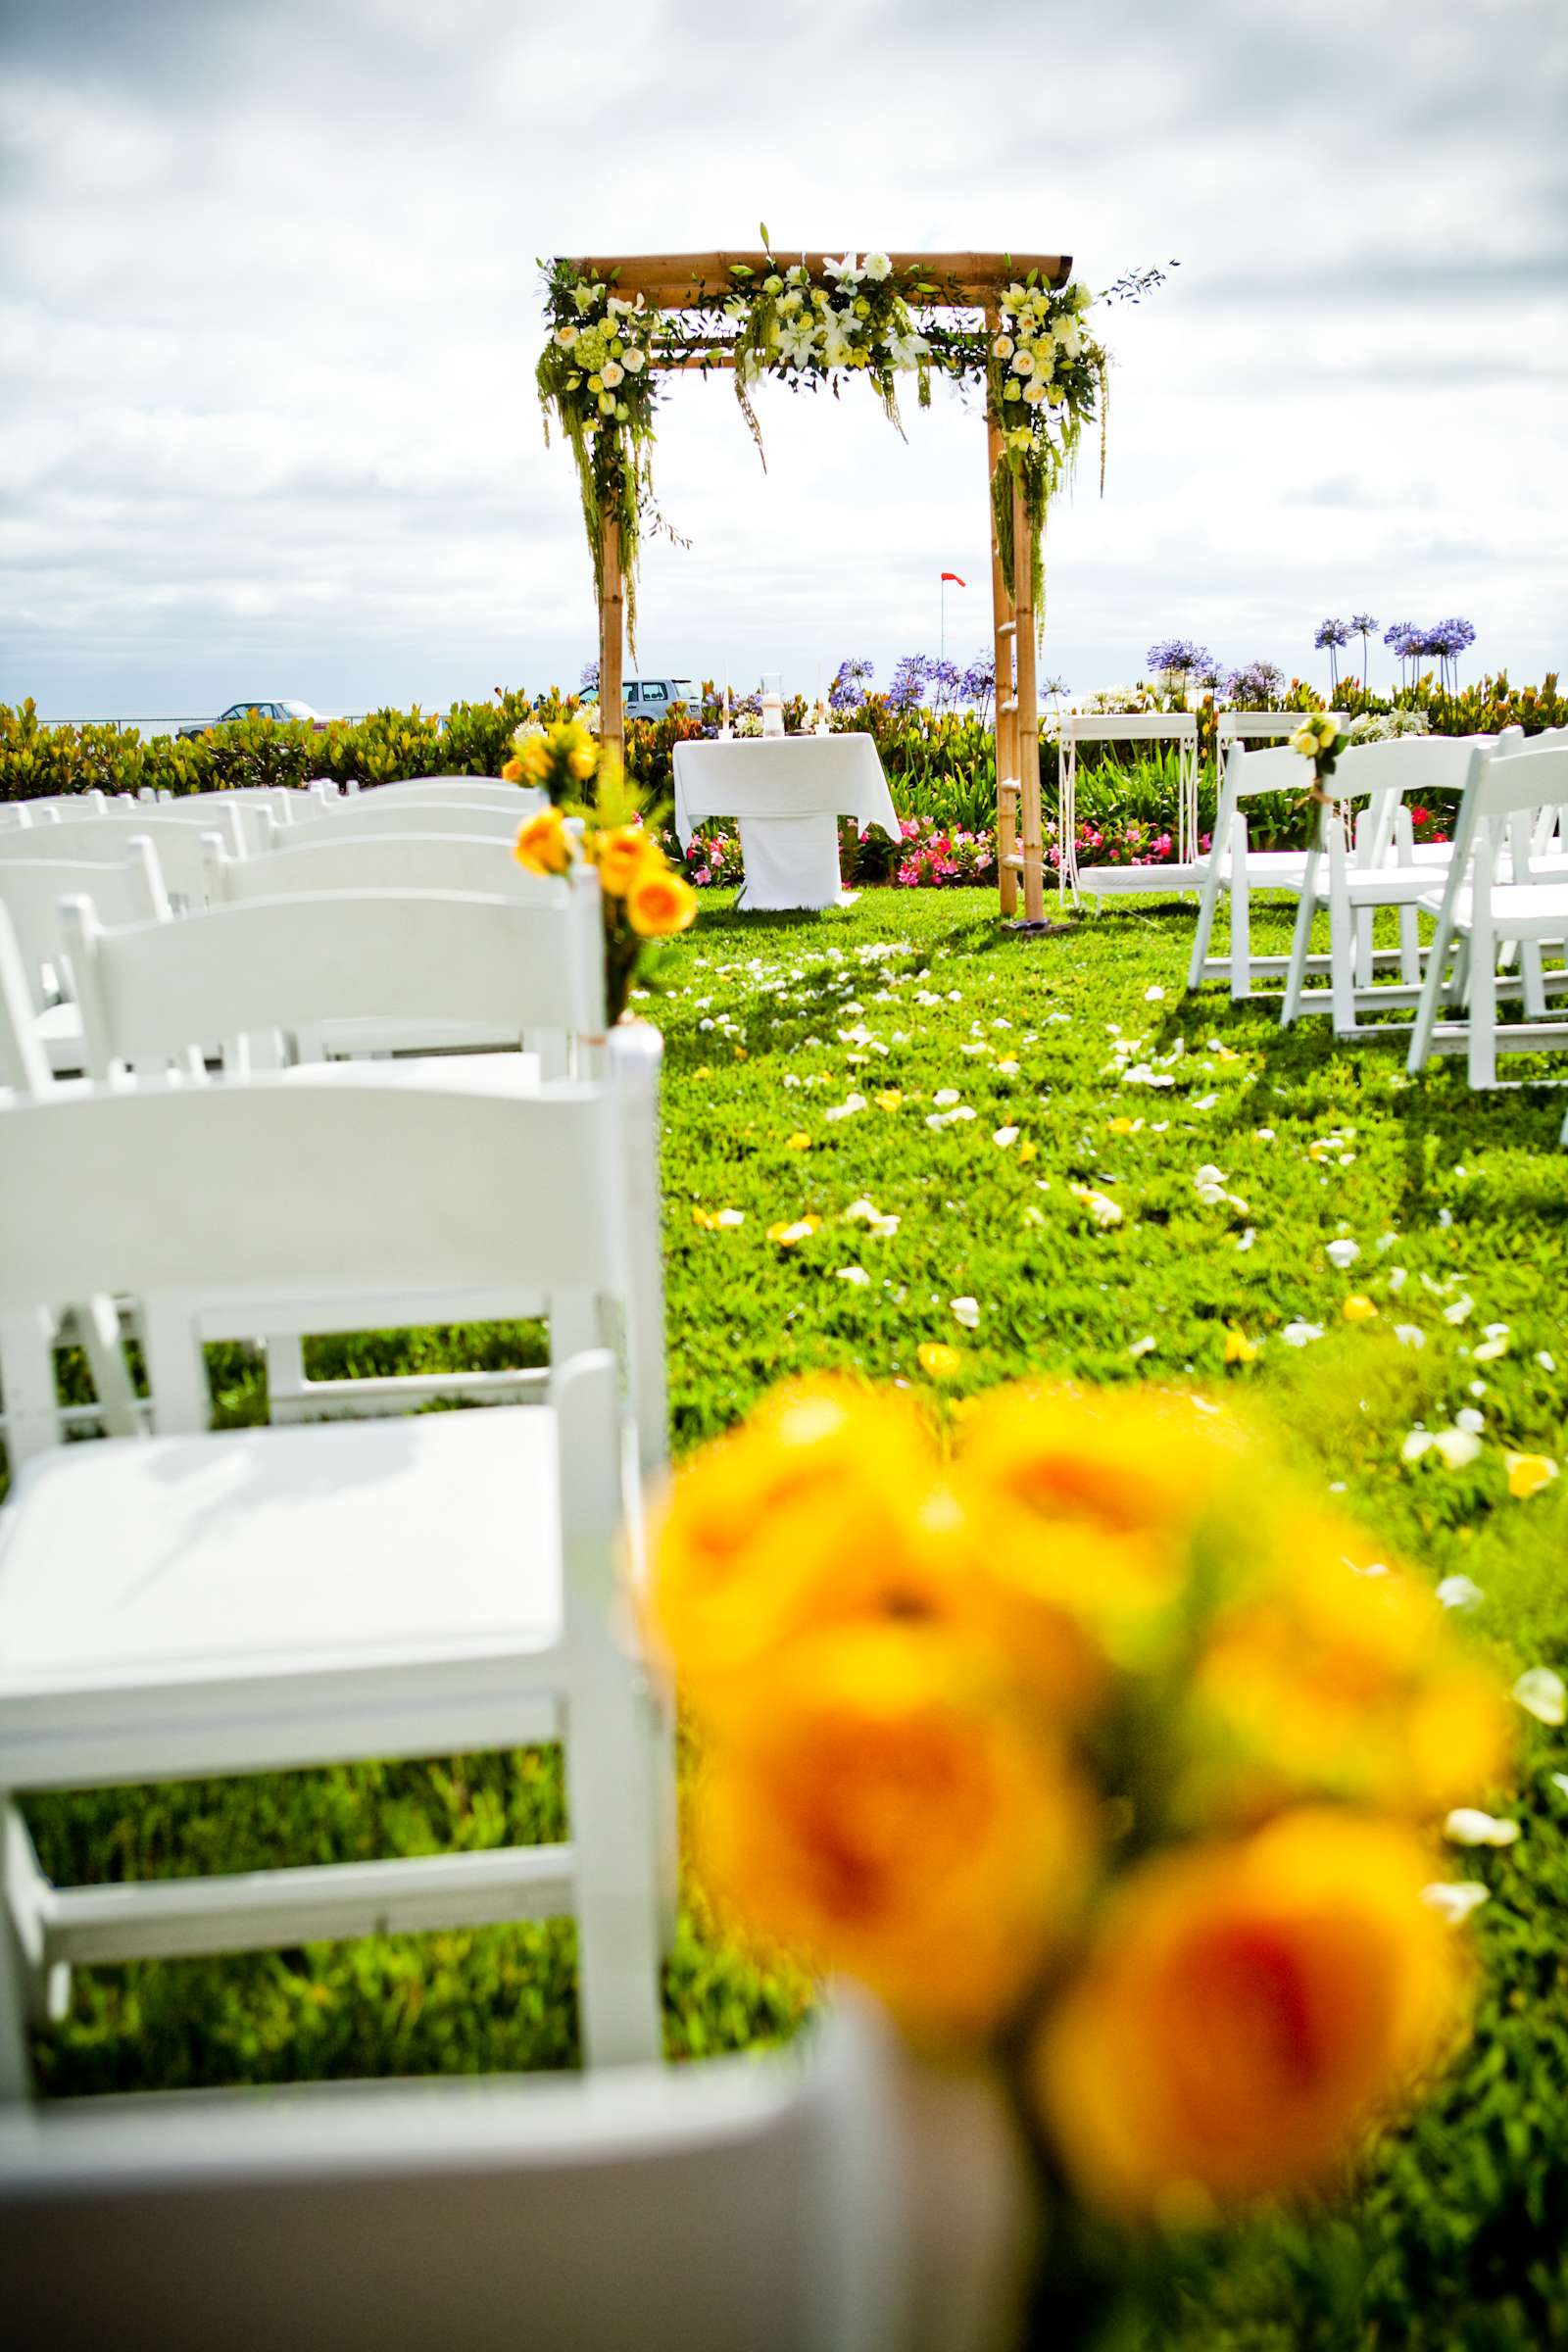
(1003, 347)
(635, 361)
(1035, 391)
(1023, 362)
(566, 336)
(612, 373)
(773, 285)
(877, 265)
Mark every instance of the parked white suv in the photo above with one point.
(651, 698)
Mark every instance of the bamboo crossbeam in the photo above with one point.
(689, 281)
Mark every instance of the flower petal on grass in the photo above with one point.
(937, 1359)
(1458, 1592)
(1467, 1825)
(1528, 1473)
(1541, 1692)
(1456, 1900)
(965, 1311)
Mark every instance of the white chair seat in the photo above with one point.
(338, 1578)
(465, 1073)
(1519, 909)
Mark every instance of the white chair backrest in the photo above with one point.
(124, 886)
(250, 804)
(415, 859)
(433, 791)
(330, 1193)
(179, 847)
(24, 1062)
(1275, 769)
(362, 820)
(1262, 727)
(149, 992)
(734, 2206)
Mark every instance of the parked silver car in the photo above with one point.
(282, 710)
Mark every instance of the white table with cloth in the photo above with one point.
(788, 793)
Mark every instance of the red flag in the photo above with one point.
(952, 575)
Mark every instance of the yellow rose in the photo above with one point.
(511, 772)
(879, 1811)
(622, 856)
(810, 1514)
(1334, 1673)
(659, 904)
(1247, 2011)
(544, 846)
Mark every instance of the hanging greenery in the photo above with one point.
(1042, 373)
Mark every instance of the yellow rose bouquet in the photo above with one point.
(1318, 739)
(1100, 1750)
(643, 898)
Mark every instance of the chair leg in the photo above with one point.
(1301, 941)
(1209, 900)
(1364, 966)
(1534, 986)
(612, 1819)
(1483, 1047)
(1409, 948)
(1240, 916)
(16, 2072)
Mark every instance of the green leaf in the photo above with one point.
(767, 242)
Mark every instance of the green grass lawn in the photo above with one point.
(815, 1065)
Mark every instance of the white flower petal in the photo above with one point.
(1342, 1254)
(1456, 1900)
(1467, 1825)
(1301, 1335)
(856, 1274)
(1458, 1592)
(965, 1311)
(1542, 1693)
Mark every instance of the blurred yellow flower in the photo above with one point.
(1247, 2012)
(880, 1812)
(1332, 1672)
(1529, 1474)
(659, 904)
(622, 855)
(511, 772)
(890, 1101)
(544, 846)
(1238, 1349)
(800, 1141)
(1359, 1309)
(811, 1513)
(937, 1359)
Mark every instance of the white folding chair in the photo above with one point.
(786, 2203)
(125, 882)
(1495, 897)
(259, 1600)
(367, 816)
(421, 855)
(268, 966)
(434, 791)
(181, 847)
(1384, 868)
(1232, 865)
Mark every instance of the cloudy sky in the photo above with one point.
(269, 316)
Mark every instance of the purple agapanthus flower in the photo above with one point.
(1397, 636)
(1176, 656)
(588, 683)
(979, 681)
(1332, 633)
(1255, 687)
(848, 690)
(1362, 624)
(907, 690)
(946, 685)
(1449, 639)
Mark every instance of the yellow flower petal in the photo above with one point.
(1359, 1309)
(937, 1360)
(1529, 1474)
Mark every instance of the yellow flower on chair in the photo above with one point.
(659, 904)
(544, 846)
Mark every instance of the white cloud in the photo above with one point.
(268, 317)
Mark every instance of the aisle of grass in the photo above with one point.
(920, 1111)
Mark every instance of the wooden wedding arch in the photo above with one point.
(973, 281)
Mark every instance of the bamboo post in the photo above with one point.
(611, 637)
(1004, 705)
(1026, 720)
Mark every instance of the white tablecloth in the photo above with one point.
(787, 794)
